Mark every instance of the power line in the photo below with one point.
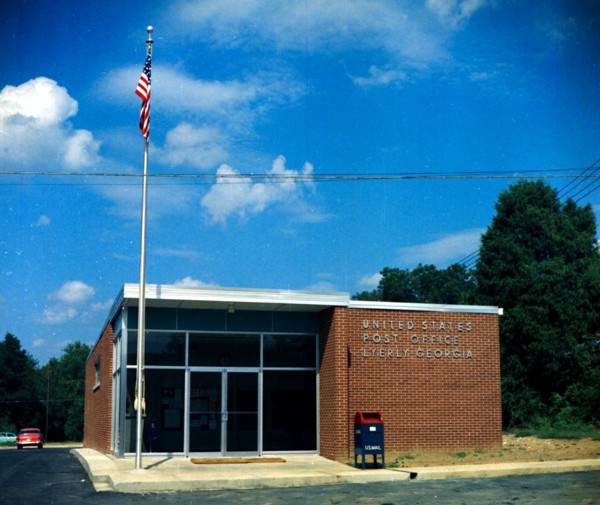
(595, 183)
(579, 179)
(471, 263)
(587, 194)
(467, 258)
(243, 178)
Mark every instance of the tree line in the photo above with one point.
(539, 260)
(50, 397)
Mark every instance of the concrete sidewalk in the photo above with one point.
(168, 474)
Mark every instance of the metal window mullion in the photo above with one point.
(224, 410)
(186, 413)
(260, 414)
(259, 421)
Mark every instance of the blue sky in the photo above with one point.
(309, 88)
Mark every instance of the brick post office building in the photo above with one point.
(236, 371)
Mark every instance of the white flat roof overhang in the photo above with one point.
(240, 299)
(283, 300)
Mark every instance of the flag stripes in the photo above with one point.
(143, 91)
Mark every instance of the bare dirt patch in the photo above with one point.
(514, 449)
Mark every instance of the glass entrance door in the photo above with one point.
(206, 412)
(223, 412)
(242, 412)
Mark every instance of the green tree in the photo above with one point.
(424, 284)
(539, 260)
(63, 380)
(19, 405)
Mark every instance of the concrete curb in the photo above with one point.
(167, 474)
(503, 469)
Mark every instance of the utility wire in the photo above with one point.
(579, 179)
(310, 178)
(468, 261)
(594, 183)
(587, 194)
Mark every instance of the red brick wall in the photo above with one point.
(98, 399)
(333, 385)
(437, 385)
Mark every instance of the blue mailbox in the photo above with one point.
(368, 437)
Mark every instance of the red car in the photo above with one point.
(30, 436)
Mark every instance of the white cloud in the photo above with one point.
(35, 130)
(393, 27)
(191, 146)
(73, 292)
(443, 251)
(210, 116)
(369, 281)
(555, 28)
(185, 95)
(57, 314)
(405, 36)
(235, 194)
(43, 220)
(479, 76)
(126, 200)
(452, 13)
(71, 299)
(40, 99)
(38, 342)
(321, 287)
(81, 150)
(380, 77)
(189, 282)
(102, 306)
(177, 253)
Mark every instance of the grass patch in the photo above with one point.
(399, 461)
(547, 428)
(460, 454)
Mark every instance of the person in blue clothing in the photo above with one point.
(152, 437)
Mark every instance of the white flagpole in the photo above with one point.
(140, 385)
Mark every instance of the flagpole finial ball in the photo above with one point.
(149, 29)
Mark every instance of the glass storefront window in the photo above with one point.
(165, 349)
(225, 397)
(297, 351)
(164, 408)
(132, 347)
(162, 348)
(224, 350)
(289, 411)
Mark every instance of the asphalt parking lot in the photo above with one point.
(55, 476)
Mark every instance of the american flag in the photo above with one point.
(143, 91)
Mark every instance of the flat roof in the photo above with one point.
(282, 300)
(157, 295)
(424, 307)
